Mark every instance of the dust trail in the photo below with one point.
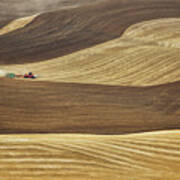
(2, 73)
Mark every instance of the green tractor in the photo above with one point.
(10, 75)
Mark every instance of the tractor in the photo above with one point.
(30, 75)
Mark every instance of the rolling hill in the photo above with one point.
(105, 104)
(147, 54)
(57, 33)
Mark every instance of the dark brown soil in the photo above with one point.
(41, 107)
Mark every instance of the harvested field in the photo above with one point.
(73, 157)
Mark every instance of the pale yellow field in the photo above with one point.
(165, 32)
(147, 54)
(17, 24)
(144, 156)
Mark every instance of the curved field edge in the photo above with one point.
(137, 156)
(164, 32)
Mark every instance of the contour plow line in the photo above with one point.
(154, 155)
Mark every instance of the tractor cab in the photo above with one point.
(30, 75)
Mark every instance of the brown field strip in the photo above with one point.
(59, 33)
(31, 107)
(146, 156)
